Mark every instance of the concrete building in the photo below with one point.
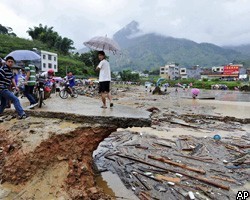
(219, 69)
(141, 74)
(227, 72)
(183, 73)
(49, 60)
(194, 72)
(170, 71)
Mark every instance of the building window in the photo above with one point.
(49, 57)
(162, 68)
(183, 71)
(54, 58)
(44, 65)
(50, 65)
(162, 72)
(44, 56)
(54, 66)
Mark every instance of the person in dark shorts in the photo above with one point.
(104, 79)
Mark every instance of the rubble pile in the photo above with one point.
(93, 91)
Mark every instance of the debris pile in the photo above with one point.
(186, 166)
(93, 91)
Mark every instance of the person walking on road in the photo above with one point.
(104, 79)
(6, 79)
(30, 82)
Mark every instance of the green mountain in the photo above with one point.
(244, 49)
(148, 51)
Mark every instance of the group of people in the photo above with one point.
(8, 82)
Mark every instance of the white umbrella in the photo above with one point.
(19, 55)
(103, 44)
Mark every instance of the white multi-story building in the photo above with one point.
(49, 61)
(218, 69)
(183, 73)
(170, 71)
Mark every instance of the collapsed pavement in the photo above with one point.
(49, 155)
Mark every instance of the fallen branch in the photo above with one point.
(150, 177)
(246, 146)
(143, 184)
(143, 162)
(163, 145)
(224, 179)
(166, 178)
(184, 166)
(182, 124)
(194, 158)
(199, 178)
(234, 148)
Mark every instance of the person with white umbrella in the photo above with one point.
(104, 79)
(6, 79)
(102, 44)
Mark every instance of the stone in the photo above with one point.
(93, 190)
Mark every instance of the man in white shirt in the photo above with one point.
(104, 79)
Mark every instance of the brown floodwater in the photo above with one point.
(112, 185)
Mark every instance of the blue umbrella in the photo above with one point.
(24, 55)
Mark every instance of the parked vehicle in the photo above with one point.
(42, 91)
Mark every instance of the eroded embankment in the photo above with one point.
(53, 157)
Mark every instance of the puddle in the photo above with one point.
(111, 183)
(113, 186)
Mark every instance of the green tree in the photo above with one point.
(6, 30)
(51, 38)
(90, 58)
(127, 75)
(155, 72)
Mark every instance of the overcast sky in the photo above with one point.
(223, 22)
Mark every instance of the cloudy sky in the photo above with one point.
(223, 22)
